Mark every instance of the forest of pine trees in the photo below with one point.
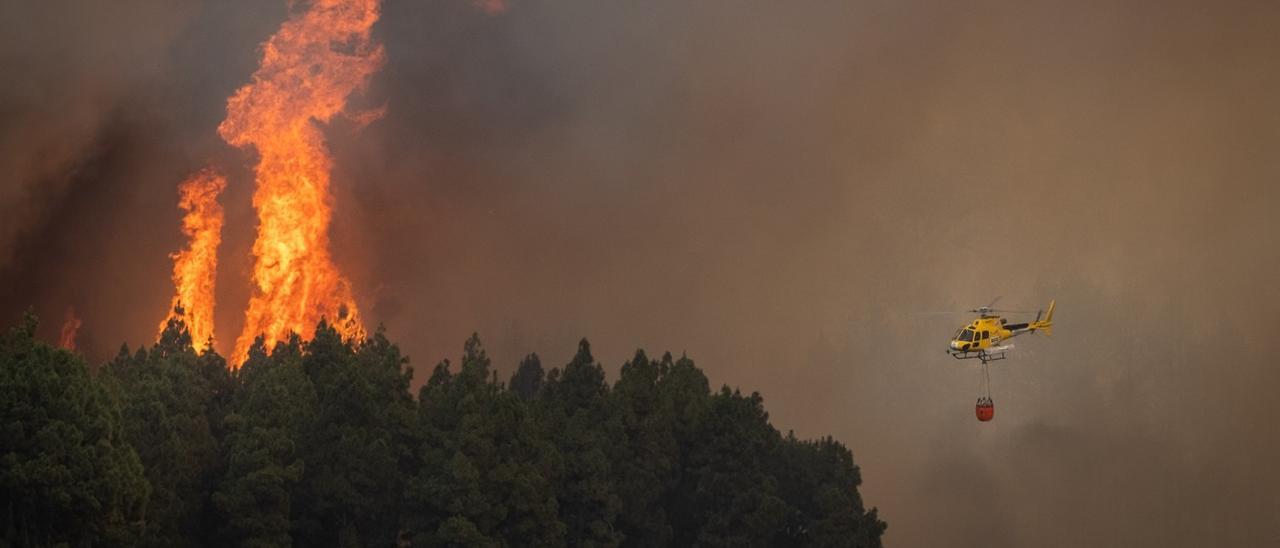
(321, 443)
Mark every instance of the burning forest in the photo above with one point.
(309, 433)
(195, 268)
(227, 227)
(319, 57)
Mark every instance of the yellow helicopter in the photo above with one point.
(983, 337)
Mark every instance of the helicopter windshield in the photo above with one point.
(966, 335)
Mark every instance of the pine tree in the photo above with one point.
(356, 442)
(484, 463)
(819, 480)
(353, 443)
(527, 381)
(646, 460)
(583, 425)
(67, 476)
(736, 495)
(165, 404)
(321, 444)
(268, 415)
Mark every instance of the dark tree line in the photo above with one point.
(320, 443)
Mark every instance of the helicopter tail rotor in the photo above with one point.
(1046, 325)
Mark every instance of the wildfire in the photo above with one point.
(321, 55)
(195, 268)
(70, 326)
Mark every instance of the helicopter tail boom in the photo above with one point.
(1046, 325)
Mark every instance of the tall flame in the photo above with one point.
(194, 268)
(70, 327)
(320, 56)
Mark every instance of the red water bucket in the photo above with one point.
(985, 411)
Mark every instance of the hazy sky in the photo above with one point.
(772, 187)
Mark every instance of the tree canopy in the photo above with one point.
(320, 442)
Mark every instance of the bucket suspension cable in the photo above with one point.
(984, 384)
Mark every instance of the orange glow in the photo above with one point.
(491, 7)
(70, 326)
(320, 56)
(195, 268)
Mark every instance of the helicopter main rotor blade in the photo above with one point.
(979, 310)
(993, 302)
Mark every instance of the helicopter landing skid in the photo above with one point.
(995, 354)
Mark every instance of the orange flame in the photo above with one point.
(195, 268)
(319, 57)
(70, 326)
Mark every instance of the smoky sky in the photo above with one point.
(773, 188)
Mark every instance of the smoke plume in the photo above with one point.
(769, 187)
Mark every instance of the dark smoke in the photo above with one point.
(771, 187)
